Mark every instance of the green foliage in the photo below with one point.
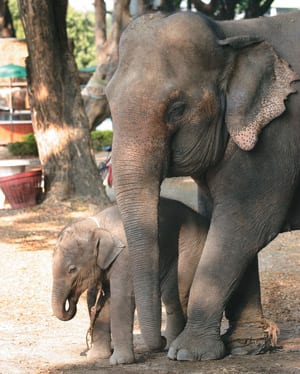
(242, 6)
(26, 148)
(101, 138)
(14, 10)
(80, 28)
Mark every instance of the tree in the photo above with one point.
(100, 24)
(80, 28)
(95, 102)
(59, 120)
(227, 9)
(6, 25)
(256, 8)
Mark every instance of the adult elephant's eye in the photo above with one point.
(72, 269)
(175, 112)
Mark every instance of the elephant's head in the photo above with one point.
(81, 255)
(181, 90)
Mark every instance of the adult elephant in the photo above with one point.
(216, 101)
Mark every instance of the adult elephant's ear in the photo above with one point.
(108, 248)
(258, 84)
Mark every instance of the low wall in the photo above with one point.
(14, 131)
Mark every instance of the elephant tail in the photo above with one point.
(273, 332)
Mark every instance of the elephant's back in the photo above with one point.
(282, 32)
(110, 219)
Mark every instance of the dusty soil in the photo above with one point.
(32, 340)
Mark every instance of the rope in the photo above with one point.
(102, 296)
(95, 310)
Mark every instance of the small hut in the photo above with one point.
(15, 118)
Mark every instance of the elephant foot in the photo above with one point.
(251, 338)
(175, 324)
(170, 337)
(125, 356)
(99, 352)
(191, 347)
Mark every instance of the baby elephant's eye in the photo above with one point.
(175, 112)
(72, 269)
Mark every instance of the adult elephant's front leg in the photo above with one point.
(231, 246)
(122, 312)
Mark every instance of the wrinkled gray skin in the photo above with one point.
(215, 101)
(86, 255)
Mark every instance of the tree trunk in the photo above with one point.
(58, 117)
(6, 24)
(257, 8)
(100, 25)
(95, 101)
(225, 10)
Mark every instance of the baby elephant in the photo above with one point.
(93, 253)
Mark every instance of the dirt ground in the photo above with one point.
(32, 340)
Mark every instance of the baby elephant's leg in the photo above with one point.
(122, 317)
(175, 320)
(101, 342)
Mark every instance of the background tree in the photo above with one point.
(6, 24)
(80, 28)
(100, 24)
(227, 9)
(58, 116)
(95, 102)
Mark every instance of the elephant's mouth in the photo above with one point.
(65, 309)
(70, 305)
(182, 164)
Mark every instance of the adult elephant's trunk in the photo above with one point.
(137, 177)
(60, 299)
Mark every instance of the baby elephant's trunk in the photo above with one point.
(63, 306)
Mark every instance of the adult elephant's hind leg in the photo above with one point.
(247, 325)
(229, 249)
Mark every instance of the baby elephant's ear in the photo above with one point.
(259, 83)
(109, 247)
